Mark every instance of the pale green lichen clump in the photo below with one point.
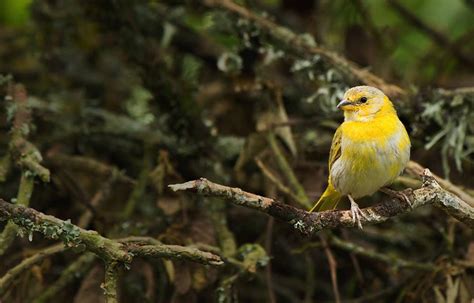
(66, 231)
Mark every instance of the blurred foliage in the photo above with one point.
(14, 12)
(131, 95)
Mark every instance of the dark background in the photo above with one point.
(169, 91)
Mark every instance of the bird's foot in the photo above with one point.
(397, 194)
(356, 212)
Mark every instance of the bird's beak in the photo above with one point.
(343, 103)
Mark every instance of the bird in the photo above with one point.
(369, 150)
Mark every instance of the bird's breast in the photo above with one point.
(368, 163)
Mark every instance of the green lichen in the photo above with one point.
(299, 225)
(66, 231)
(253, 256)
(302, 227)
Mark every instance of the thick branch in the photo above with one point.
(416, 170)
(308, 223)
(109, 250)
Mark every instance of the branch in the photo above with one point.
(7, 279)
(302, 46)
(309, 223)
(416, 169)
(174, 252)
(110, 282)
(386, 258)
(73, 272)
(107, 249)
(88, 165)
(286, 169)
(24, 152)
(10, 231)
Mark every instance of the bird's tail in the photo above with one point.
(329, 199)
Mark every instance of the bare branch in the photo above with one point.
(416, 169)
(309, 223)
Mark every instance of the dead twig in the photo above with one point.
(332, 268)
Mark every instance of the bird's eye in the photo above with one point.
(363, 100)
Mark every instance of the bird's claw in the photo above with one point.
(357, 214)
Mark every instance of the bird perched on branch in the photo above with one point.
(369, 150)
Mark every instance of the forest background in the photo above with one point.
(106, 103)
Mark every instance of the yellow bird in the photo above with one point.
(369, 149)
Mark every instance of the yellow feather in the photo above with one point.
(369, 150)
(328, 200)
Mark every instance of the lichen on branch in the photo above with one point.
(309, 223)
(109, 250)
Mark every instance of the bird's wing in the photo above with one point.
(335, 151)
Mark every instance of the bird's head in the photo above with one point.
(363, 103)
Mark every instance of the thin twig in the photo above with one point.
(389, 259)
(281, 187)
(140, 187)
(268, 268)
(87, 165)
(110, 284)
(286, 169)
(332, 268)
(73, 272)
(310, 278)
(7, 279)
(354, 259)
(100, 196)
